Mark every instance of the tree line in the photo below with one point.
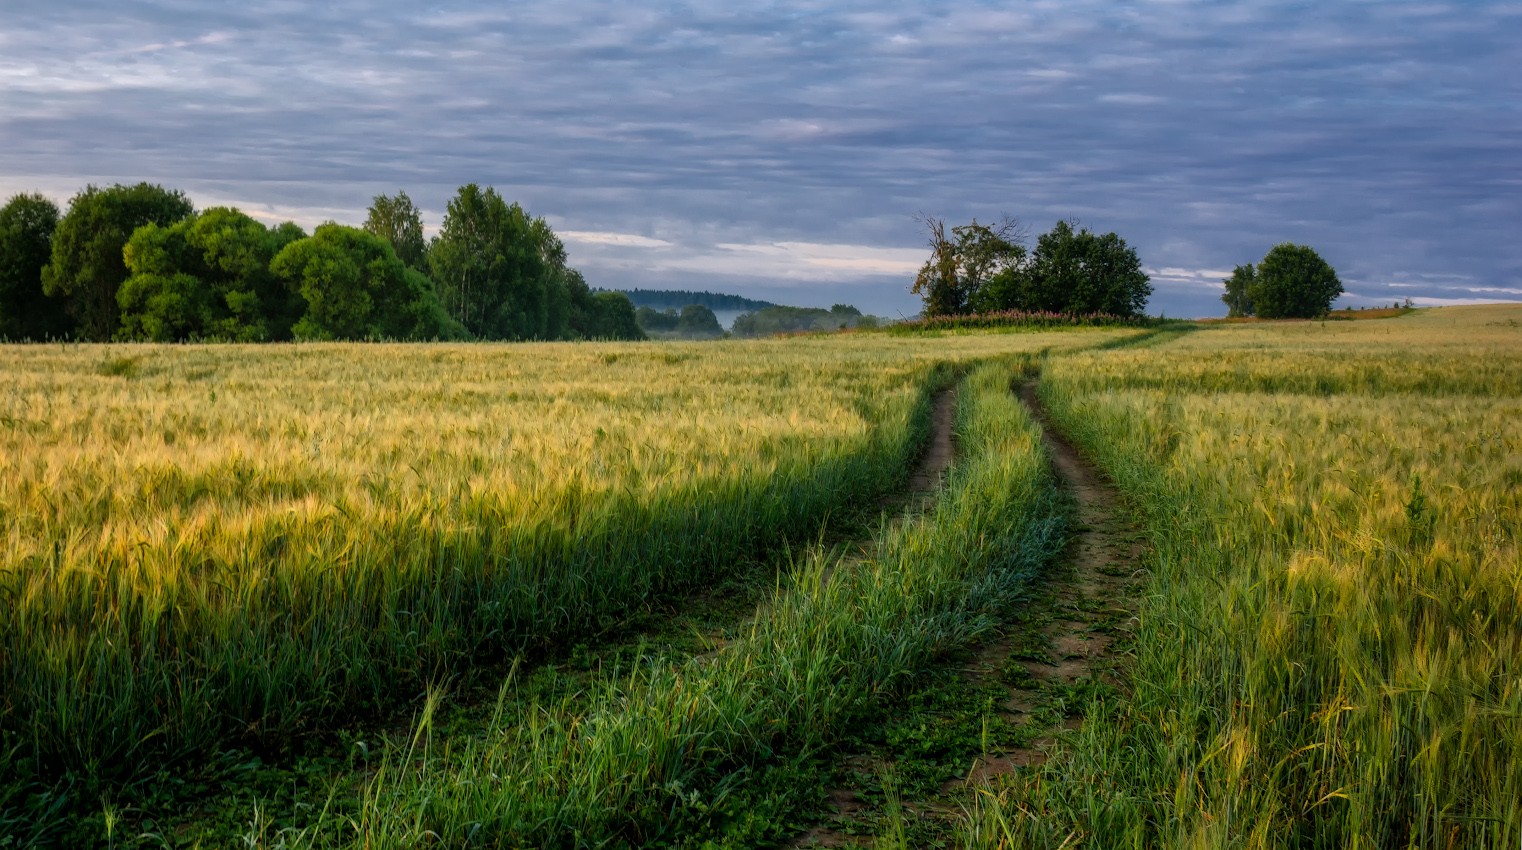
(141, 263)
(982, 269)
(662, 299)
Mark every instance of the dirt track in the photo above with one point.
(1077, 613)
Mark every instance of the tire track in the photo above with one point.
(1071, 635)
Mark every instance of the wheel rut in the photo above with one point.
(1072, 635)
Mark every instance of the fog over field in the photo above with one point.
(782, 153)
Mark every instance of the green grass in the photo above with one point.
(670, 749)
(1330, 647)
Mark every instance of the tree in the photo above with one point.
(491, 269)
(1078, 271)
(615, 317)
(356, 288)
(697, 320)
(1238, 304)
(396, 220)
(87, 267)
(599, 315)
(207, 277)
(1293, 282)
(27, 223)
(961, 264)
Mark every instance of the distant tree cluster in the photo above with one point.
(980, 268)
(663, 299)
(140, 263)
(693, 321)
(777, 319)
(1291, 282)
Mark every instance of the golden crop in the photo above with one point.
(1332, 639)
(250, 541)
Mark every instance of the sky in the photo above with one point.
(783, 150)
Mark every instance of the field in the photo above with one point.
(249, 546)
(1329, 653)
(643, 593)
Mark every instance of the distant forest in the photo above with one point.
(661, 299)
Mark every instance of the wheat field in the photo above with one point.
(1331, 644)
(209, 545)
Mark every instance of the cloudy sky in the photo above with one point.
(782, 150)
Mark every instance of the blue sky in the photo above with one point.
(782, 150)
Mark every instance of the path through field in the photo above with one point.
(1070, 636)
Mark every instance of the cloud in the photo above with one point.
(1424, 301)
(595, 238)
(793, 142)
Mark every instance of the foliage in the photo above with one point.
(87, 267)
(395, 219)
(1082, 272)
(1237, 300)
(780, 320)
(207, 276)
(963, 264)
(1327, 653)
(26, 246)
(600, 315)
(1019, 319)
(697, 320)
(693, 322)
(986, 270)
(651, 319)
(1293, 282)
(495, 268)
(661, 299)
(356, 288)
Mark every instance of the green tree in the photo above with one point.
(951, 282)
(27, 223)
(207, 277)
(1078, 271)
(1236, 299)
(1293, 282)
(652, 319)
(614, 317)
(491, 269)
(598, 315)
(356, 288)
(87, 266)
(395, 219)
(697, 320)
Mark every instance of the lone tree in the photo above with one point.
(1292, 282)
